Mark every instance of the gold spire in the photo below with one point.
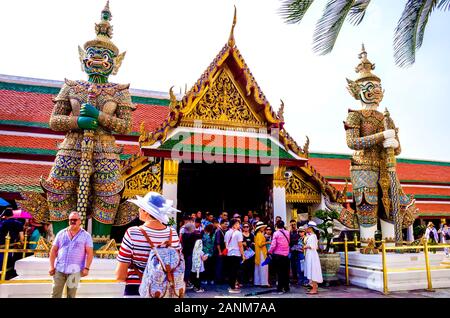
(104, 32)
(365, 67)
(231, 38)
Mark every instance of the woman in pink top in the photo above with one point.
(280, 251)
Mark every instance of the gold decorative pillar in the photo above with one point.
(170, 171)
(280, 176)
(170, 182)
(294, 215)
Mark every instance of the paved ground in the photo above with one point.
(340, 291)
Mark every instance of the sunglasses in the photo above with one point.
(73, 220)
(246, 226)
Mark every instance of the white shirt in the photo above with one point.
(431, 231)
(232, 239)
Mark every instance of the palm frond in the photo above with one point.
(405, 35)
(444, 5)
(329, 25)
(426, 11)
(292, 11)
(358, 11)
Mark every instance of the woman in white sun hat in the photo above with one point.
(313, 270)
(154, 211)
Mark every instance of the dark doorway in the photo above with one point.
(222, 187)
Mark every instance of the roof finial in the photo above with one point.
(231, 38)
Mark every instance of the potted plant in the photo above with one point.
(329, 261)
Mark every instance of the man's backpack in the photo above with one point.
(164, 272)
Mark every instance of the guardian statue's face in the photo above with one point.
(370, 92)
(98, 61)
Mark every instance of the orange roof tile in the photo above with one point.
(21, 174)
(340, 168)
(427, 208)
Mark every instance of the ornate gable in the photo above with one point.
(223, 104)
(300, 190)
(140, 176)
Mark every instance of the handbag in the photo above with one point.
(267, 260)
(289, 241)
(225, 250)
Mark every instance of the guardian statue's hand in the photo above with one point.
(390, 133)
(87, 123)
(390, 143)
(88, 110)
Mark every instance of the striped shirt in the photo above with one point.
(136, 250)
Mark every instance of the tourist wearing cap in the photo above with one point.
(280, 251)
(313, 270)
(154, 211)
(261, 272)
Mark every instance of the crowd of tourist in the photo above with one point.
(245, 251)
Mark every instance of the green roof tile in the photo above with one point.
(27, 88)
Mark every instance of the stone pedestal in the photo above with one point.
(32, 268)
(405, 271)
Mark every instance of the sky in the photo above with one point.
(172, 42)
